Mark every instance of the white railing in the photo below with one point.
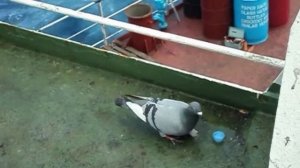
(108, 37)
(170, 3)
(100, 8)
(105, 38)
(156, 34)
(65, 17)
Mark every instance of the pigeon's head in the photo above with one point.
(195, 107)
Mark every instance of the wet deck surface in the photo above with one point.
(246, 73)
(54, 113)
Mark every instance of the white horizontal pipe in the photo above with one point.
(157, 34)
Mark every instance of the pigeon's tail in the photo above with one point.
(120, 101)
(132, 104)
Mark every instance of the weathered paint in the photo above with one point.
(202, 87)
(285, 150)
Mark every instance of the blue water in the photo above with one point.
(34, 18)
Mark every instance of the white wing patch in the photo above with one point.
(138, 110)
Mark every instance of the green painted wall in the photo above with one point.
(157, 75)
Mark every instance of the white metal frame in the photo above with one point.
(170, 3)
(65, 17)
(94, 24)
(108, 37)
(100, 8)
(157, 34)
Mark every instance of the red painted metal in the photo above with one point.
(279, 12)
(141, 14)
(217, 17)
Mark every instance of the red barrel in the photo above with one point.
(141, 15)
(217, 17)
(279, 12)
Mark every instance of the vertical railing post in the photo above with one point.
(171, 2)
(102, 25)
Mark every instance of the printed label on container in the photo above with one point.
(255, 15)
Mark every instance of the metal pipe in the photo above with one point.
(108, 37)
(106, 17)
(102, 25)
(92, 25)
(65, 17)
(171, 2)
(157, 34)
(83, 30)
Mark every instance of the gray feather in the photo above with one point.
(173, 118)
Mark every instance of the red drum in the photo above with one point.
(279, 12)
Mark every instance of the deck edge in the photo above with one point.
(196, 85)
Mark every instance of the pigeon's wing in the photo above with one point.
(137, 109)
(166, 117)
(138, 99)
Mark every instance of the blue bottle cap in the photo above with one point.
(218, 136)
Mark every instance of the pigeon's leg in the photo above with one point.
(172, 139)
(193, 133)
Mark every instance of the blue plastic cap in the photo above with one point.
(218, 136)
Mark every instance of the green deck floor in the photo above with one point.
(55, 113)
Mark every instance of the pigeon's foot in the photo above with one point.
(173, 140)
(170, 138)
(193, 133)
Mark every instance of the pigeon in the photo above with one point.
(171, 118)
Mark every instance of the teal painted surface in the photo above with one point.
(23, 16)
(158, 75)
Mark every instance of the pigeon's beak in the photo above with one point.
(200, 113)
